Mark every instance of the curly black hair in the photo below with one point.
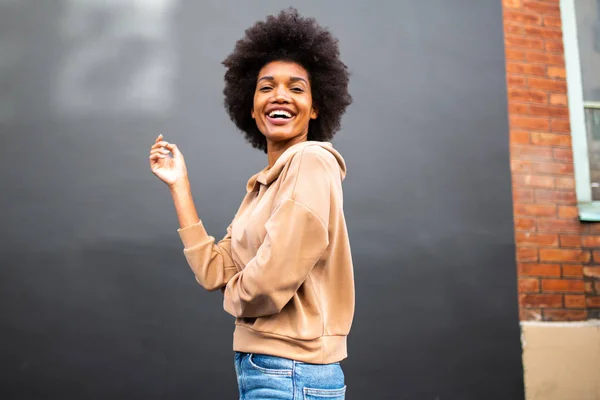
(287, 37)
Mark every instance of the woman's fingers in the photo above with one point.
(162, 143)
(160, 150)
(173, 148)
(156, 156)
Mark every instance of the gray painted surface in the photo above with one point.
(96, 300)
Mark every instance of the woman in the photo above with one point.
(284, 266)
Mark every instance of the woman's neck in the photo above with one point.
(276, 149)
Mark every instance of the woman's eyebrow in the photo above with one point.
(293, 79)
(297, 78)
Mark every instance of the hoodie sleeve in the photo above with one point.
(211, 262)
(297, 236)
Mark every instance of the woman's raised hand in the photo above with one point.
(167, 163)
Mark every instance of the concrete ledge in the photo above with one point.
(561, 360)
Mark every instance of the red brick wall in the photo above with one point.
(558, 257)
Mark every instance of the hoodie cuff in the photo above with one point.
(192, 235)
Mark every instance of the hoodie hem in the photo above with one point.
(323, 350)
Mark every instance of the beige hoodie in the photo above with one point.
(284, 265)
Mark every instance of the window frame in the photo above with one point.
(589, 210)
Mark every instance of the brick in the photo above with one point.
(539, 181)
(591, 272)
(513, 29)
(543, 32)
(541, 7)
(561, 125)
(572, 271)
(522, 17)
(523, 42)
(548, 84)
(513, 81)
(596, 255)
(550, 139)
(528, 285)
(559, 99)
(590, 241)
(554, 46)
(536, 239)
(594, 227)
(524, 224)
(527, 254)
(593, 301)
(532, 153)
(565, 315)
(589, 287)
(541, 300)
(527, 95)
(535, 210)
(593, 313)
(555, 196)
(563, 285)
(549, 111)
(565, 155)
(514, 54)
(521, 166)
(564, 255)
(511, 3)
(570, 240)
(518, 108)
(575, 301)
(530, 314)
(549, 20)
(535, 123)
(565, 183)
(545, 58)
(522, 195)
(559, 225)
(542, 270)
(553, 168)
(557, 72)
(525, 69)
(519, 137)
(568, 212)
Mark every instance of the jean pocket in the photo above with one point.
(270, 365)
(325, 394)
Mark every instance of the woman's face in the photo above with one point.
(283, 102)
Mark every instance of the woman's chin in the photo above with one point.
(278, 136)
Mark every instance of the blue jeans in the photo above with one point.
(273, 378)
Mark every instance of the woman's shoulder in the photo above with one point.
(318, 156)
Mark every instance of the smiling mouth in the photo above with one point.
(280, 117)
(280, 114)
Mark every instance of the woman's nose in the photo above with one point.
(281, 94)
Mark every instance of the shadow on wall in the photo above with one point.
(118, 320)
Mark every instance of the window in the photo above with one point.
(581, 36)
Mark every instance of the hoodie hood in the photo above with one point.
(268, 175)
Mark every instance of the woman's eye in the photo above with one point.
(297, 90)
(265, 88)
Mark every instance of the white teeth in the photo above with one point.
(276, 113)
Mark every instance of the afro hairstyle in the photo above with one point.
(287, 37)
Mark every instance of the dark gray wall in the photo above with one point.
(96, 299)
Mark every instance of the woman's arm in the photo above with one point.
(211, 262)
(184, 203)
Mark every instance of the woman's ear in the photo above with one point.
(314, 113)
(252, 113)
